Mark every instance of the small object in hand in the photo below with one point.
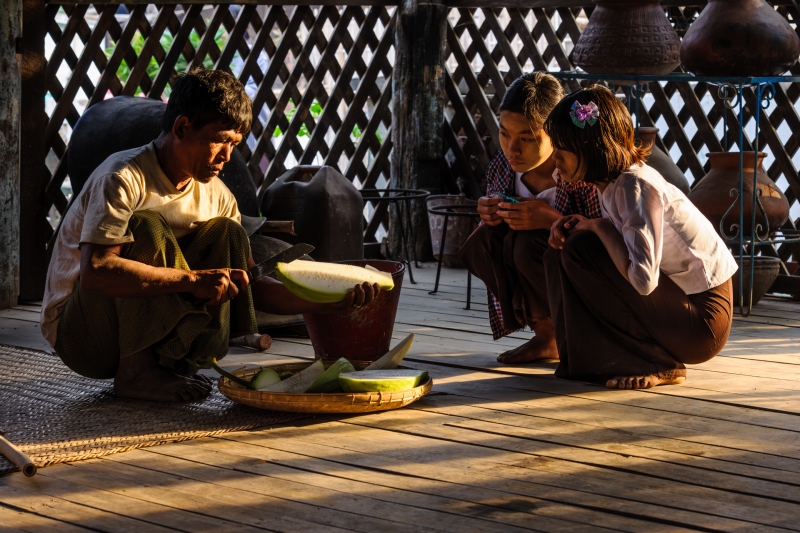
(509, 199)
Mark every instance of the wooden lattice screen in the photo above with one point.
(319, 77)
(489, 48)
(321, 80)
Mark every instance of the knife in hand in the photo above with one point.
(287, 256)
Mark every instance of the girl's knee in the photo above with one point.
(581, 246)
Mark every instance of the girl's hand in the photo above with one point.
(561, 228)
(487, 208)
(529, 214)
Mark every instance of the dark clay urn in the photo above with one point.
(712, 194)
(739, 38)
(628, 37)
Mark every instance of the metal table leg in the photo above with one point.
(469, 289)
(441, 256)
(413, 236)
(403, 229)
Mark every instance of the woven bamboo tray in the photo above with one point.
(332, 402)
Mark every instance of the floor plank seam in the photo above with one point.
(250, 473)
(551, 500)
(84, 526)
(643, 517)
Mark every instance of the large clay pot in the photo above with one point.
(662, 162)
(766, 272)
(739, 38)
(712, 195)
(362, 334)
(628, 37)
(126, 122)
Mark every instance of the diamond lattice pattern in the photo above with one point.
(319, 77)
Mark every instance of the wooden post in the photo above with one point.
(418, 114)
(10, 89)
(35, 231)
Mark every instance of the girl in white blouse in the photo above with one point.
(639, 293)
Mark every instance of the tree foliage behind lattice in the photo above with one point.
(489, 48)
(319, 77)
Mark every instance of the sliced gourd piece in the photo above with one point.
(393, 357)
(264, 378)
(382, 380)
(319, 282)
(329, 380)
(300, 381)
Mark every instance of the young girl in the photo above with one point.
(644, 290)
(500, 251)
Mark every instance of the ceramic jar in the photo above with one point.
(739, 38)
(628, 37)
(661, 161)
(712, 195)
(766, 272)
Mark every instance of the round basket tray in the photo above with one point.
(332, 402)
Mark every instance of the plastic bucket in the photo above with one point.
(362, 334)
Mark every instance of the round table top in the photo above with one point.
(447, 210)
(393, 195)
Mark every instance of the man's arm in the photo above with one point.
(105, 272)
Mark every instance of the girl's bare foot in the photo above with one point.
(647, 382)
(542, 346)
(140, 377)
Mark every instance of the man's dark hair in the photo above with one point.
(605, 149)
(206, 96)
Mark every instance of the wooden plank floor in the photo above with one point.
(493, 448)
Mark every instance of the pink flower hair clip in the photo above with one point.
(583, 114)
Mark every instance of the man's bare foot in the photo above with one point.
(542, 346)
(645, 382)
(140, 377)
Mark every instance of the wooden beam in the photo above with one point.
(520, 4)
(231, 2)
(10, 90)
(418, 114)
(35, 231)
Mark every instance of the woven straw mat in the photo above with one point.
(57, 416)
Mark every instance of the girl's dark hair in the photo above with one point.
(205, 96)
(533, 95)
(605, 149)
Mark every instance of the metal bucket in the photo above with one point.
(363, 334)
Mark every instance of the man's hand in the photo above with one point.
(562, 227)
(487, 209)
(360, 296)
(529, 214)
(219, 285)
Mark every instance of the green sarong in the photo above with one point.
(95, 331)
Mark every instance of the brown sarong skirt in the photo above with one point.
(605, 328)
(510, 263)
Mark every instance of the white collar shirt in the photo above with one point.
(665, 233)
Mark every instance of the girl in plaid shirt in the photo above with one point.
(506, 250)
